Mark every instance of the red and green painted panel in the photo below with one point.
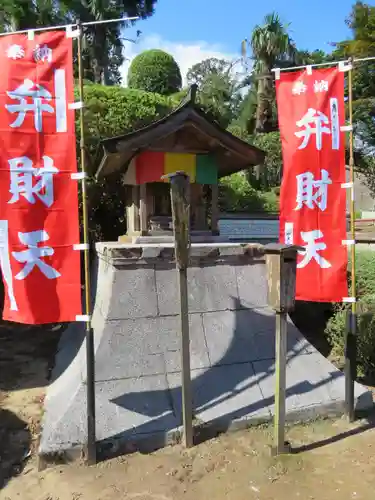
(150, 166)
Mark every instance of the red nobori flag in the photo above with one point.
(38, 198)
(312, 201)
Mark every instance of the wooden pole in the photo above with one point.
(281, 264)
(180, 186)
(90, 351)
(351, 331)
(215, 208)
(143, 215)
(280, 390)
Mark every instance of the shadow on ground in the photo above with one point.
(15, 442)
(368, 425)
(23, 349)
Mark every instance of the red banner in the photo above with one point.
(38, 197)
(313, 203)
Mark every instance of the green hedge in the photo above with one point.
(112, 111)
(236, 194)
(365, 272)
(155, 71)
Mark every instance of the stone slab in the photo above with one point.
(252, 285)
(212, 288)
(133, 294)
(246, 335)
(124, 408)
(222, 393)
(148, 346)
(139, 405)
(311, 384)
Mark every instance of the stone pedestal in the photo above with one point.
(137, 346)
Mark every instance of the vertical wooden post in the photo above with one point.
(132, 212)
(281, 261)
(351, 330)
(215, 208)
(350, 370)
(181, 217)
(201, 223)
(90, 349)
(150, 200)
(280, 389)
(143, 212)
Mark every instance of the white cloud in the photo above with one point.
(186, 54)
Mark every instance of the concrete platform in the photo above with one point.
(138, 396)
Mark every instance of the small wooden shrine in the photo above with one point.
(184, 140)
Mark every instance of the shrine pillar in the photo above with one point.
(143, 212)
(132, 211)
(198, 207)
(215, 208)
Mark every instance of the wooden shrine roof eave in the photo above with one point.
(118, 151)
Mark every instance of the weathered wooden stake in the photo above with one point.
(143, 219)
(180, 186)
(90, 349)
(215, 208)
(281, 261)
(350, 364)
(280, 389)
(351, 332)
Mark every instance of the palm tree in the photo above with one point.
(271, 46)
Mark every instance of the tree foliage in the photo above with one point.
(267, 176)
(236, 194)
(25, 14)
(155, 71)
(103, 54)
(305, 57)
(218, 88)
(206, 69)
(361, 22)
(271, 171)
(104, 47)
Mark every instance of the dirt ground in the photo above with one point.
(236, 466)
(332, 460)
(24, 371)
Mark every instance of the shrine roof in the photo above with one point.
(185, 129)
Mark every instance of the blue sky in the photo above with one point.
(195, 29)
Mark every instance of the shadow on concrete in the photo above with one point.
(15, 440)
(311, 319)
(226, 379)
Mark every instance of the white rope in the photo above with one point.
(65, 26)
(319, 65)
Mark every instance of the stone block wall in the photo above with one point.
(137, 306)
